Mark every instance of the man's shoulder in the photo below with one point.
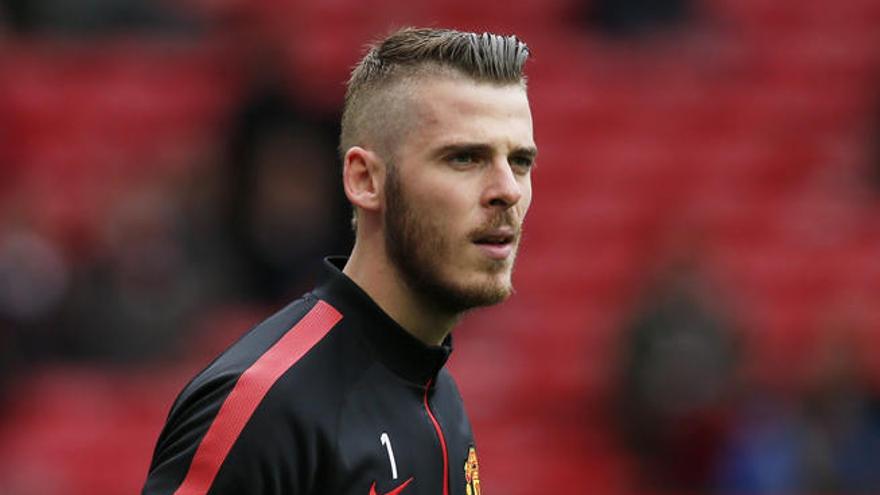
(292, 349)
(268, 399)
(254, 343)
(446, 383)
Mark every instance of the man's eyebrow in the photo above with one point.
(525, 151)
(454, 148)
(478, 148)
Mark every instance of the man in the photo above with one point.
(344, 391)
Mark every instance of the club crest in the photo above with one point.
(472, 473)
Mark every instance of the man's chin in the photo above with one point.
(455, 296)
(471, 283)
(487, 293)
(494, 297)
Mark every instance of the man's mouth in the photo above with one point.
(494, 239)
(496, 243)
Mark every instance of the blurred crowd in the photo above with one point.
(241, 223)
(172, 255)
(698, 421)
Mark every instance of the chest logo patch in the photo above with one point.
(472, 473)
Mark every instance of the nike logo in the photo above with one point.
(396, 491)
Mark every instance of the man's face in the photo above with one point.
(458, 191)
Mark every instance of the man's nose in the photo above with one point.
(502, 189)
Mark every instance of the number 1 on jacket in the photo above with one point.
(386, 441)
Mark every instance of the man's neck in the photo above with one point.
(384, 284)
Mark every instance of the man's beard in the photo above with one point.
(419, 248)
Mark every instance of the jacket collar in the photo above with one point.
(395, 347)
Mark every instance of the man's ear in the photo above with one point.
(363, 176)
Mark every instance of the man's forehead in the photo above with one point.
(460, 109)
(440, 94)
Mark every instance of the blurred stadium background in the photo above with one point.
(698, 292)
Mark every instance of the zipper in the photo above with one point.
(440, 437)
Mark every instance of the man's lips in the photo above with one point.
(496, 251)
(505, 235)
(496, 243)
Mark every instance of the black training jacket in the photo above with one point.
(328, 396)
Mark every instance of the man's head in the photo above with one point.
(437, 148)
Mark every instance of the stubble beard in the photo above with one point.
(418, 249)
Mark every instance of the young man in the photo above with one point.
(344, 390)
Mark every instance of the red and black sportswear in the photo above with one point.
(328, 396)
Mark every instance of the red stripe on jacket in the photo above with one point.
(249, 391)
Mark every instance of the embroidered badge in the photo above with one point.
(472, 473)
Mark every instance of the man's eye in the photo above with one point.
(461, 158)
(522, 162)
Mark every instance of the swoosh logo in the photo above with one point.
(395, 491)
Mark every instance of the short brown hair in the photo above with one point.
(409, 52)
